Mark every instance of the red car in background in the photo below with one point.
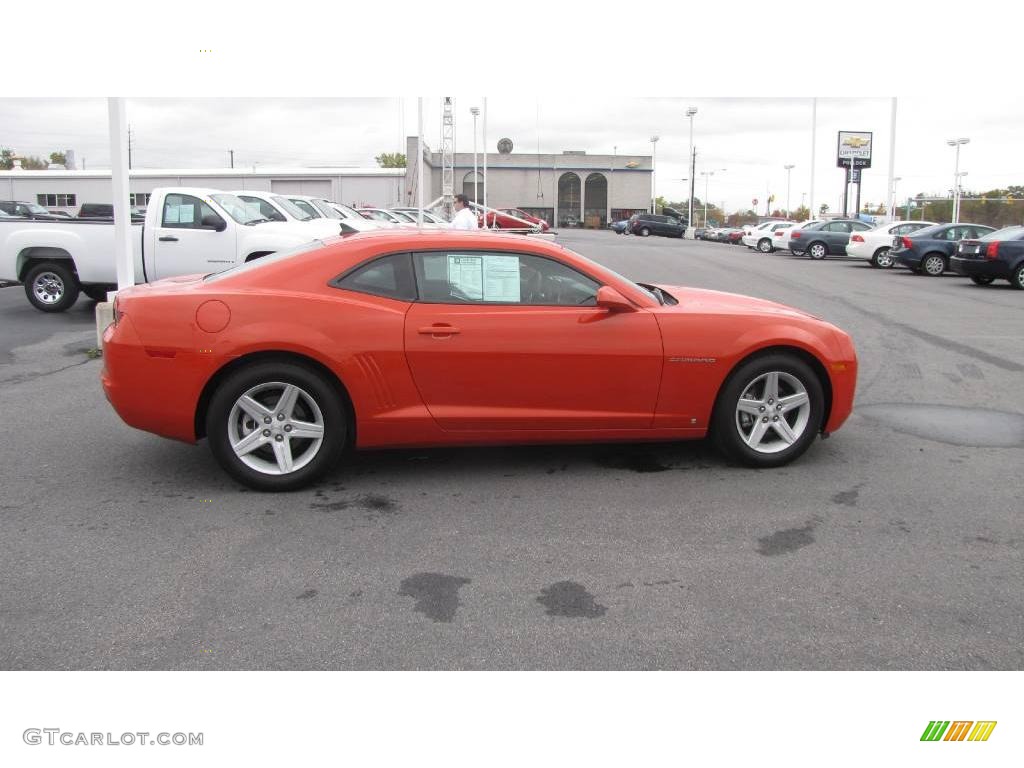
(504, 219)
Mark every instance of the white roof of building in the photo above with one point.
(142, 173)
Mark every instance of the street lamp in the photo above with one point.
(956, 176)
(475, 111)
(690, 112)
(789, 171)
(958, 191)
(895, 184)
(706, 175)
(654, 159)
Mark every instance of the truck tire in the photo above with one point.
(51, 286)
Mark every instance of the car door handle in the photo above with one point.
(168, 239)
(439, 330)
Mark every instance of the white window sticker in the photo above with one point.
(465, 274)
(186, 214)
(171, 214)
(501, 279)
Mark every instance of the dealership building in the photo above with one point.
(66, 190)
(568, 189)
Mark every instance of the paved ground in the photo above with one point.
(896, 544)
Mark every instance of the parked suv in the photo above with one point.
(645, 224)
(27, 210)
(106, 211)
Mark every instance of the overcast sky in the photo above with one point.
(752, 139)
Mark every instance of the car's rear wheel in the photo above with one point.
(982, 279)
(817, 250)
(768, 411)
(882, 259)
(933, 264)
(764, 245)
(276, 426)
(51, 287)
(1017, 279)
(644, 232)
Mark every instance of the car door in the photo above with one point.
(837, 235)
(514, 341)
(191, 237)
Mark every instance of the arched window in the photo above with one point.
(595, 200)
(467, 186)
(569, 190)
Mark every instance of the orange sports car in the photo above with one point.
(405, 338)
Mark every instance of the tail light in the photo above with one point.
(796, 236)
(857, 239)
(778, 232)
(992, 251)
(906, 242)
(117, 311)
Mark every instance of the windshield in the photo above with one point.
(349, 212)
(325, 208)
(403, 217)
(273, 258)
(291, 209)
(36, 208)
(1006, 233)
(237, 209)
(313, 212)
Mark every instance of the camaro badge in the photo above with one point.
(693, 360)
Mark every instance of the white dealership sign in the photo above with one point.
(855, 146)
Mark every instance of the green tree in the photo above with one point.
(803, 213)
(6, 159)
(390, 160)
(823, 209)
(33, 163)
(58, 157)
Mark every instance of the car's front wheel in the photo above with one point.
(276, 426)
(645, 232)
(817, 251)
(768, 411)
(882, 259)
(764, 245)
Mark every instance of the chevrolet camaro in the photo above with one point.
(402, 338)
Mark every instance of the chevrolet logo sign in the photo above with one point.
(856, 142)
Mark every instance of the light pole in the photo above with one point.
(475, 111)
(895, 184)
(789, 171)
(654, 162)
(957, 189)
(690, 112)
(707, 176)
(956, 176)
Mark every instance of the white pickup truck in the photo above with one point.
(186, 230)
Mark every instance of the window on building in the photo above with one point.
(140, 199)
(57, 201)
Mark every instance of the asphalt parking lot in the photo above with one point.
(895, 544)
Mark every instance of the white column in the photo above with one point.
(419, 167)
(814, 139)
(123, 256)
(892, 160)
(484, 136)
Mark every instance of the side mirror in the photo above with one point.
(612, 300)
(214, 222)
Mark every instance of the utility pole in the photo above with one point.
(129, 146)
(232, 153)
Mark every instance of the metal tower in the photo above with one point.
(447, 155)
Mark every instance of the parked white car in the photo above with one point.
(782, 242)
(874, 245)
(279, 208)
(762, 237)
(428, 217)
(187, 230)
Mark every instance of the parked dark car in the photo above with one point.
(645, 224)
(998, 254)
(734, 236)
(620, 227)
(826, 238)
(106, 211)
(27, 210)
(928, 250)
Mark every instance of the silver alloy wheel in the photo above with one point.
(884, 259)
(817, 251)
(765, 245)
(276, 428)
(773, 412)
(48, 287)
(934, 265)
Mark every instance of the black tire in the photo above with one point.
(764, 245)
(725, 430)
(817, 251)
(882, 259)
(929, 262)
(51, 286)
(1017, 278)
(644, 232)
(95, 292)
(982, 279)
(335, 425)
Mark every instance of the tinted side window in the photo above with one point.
(265, 209)
(860, 226)
(186, 212)
(308, 208)
(389, 276)
(477, 277)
